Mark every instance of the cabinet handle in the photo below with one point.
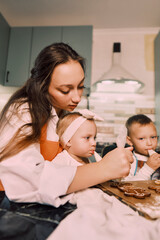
(7, 76)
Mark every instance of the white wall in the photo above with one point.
(137, 57)
(5, 93)
(136, 53)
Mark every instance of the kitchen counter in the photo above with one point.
(29, 221)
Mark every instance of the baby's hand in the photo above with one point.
(154, 161)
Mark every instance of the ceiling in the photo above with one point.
(99, 13)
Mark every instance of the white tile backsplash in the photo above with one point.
(5, 93)
(116, 109)
(3, 99)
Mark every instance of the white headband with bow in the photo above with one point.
(72, 128)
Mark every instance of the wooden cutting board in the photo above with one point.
(148, 207)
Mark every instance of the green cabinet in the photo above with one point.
(4, 40)
(42, 37)
(26, 42)
(80, 39)
(24, 45)
(17, 70)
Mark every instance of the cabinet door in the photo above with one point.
(4, 39)
(157, 81)
(80, 39)
(42, 37)
(17, 70)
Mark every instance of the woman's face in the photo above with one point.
(66, 86)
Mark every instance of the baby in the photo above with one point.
(77, 133)
(142, 135)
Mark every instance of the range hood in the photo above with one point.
(117, 79)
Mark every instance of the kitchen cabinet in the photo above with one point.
(42, 37)
(17, 70)
(26, 42)
(24, 45)
(80, 38)
(4, 40)
(157, 81)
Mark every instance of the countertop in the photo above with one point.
(29, 221)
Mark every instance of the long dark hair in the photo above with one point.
(35, 94)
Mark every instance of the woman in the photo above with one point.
(28, 123)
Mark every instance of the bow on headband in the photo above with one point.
(72, 128)
(90, 115)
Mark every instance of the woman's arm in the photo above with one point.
(26, 176)
(115, 164)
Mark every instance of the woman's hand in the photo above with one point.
(118, 162)
(115, 164)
